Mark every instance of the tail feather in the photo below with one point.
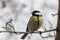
(24, 36)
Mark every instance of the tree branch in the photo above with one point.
(30, 32)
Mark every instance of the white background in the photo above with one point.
(20, 15)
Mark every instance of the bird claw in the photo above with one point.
(40, 32)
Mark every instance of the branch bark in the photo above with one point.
(58, 25)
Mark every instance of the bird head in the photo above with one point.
(36, 13)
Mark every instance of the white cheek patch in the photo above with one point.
(38, 13)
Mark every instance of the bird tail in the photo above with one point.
(24, 36)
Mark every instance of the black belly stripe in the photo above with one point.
(38, 20)
(36, 27)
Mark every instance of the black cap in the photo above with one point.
(36, 11)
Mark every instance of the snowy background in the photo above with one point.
(20, 12)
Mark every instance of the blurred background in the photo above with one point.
(20, 12)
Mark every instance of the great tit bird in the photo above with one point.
(34, 23)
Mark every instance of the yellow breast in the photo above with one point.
(33, 23)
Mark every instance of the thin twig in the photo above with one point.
(50, 23)
(29, 32)
(54, 14)
(10, 24)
